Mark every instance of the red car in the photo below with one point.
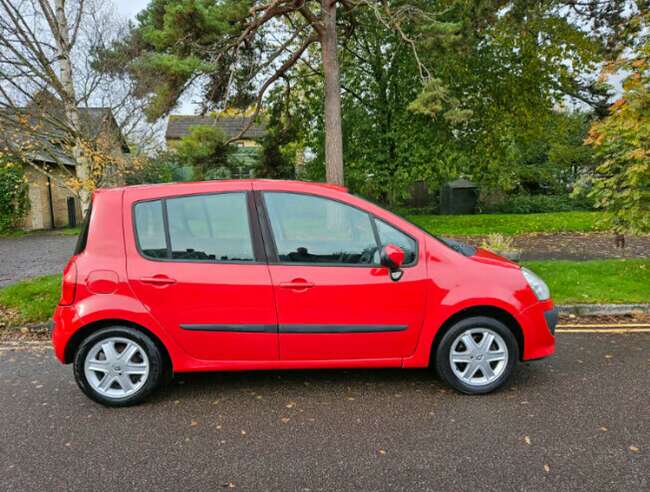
(261, 274)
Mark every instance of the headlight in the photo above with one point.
(539, 287)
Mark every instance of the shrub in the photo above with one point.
(500, 244)
(164, 168)
(14, 201)
(621, 182)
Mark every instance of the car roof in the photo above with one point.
(245, 183)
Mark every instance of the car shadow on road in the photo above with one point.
(224, 384)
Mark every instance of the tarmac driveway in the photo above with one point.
(33, 255)
(577, 421)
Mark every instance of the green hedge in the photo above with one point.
(535, 204)
(14, 200)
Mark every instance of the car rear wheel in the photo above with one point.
(477, 355)
(118, 366)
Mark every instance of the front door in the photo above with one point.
(194, 266)
(334, 300)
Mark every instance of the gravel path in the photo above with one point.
(572, 246)
(33, 255)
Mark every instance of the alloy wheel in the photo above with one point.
(116, 367)
(478, 356)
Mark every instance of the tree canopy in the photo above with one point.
(621, 141)
(500, 91)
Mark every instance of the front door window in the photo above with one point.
(311, 229)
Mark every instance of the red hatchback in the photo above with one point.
(257, 274)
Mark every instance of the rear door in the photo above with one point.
(196, 263)
(334, 300)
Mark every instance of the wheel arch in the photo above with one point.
(484, 310)
(82, 333)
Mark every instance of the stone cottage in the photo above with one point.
(51, 204)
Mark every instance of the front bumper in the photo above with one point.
(538, 324)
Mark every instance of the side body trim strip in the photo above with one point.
(233, 328)
(296, 329)
(309, 329)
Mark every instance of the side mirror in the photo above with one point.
(392, 257)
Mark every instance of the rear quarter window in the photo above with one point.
(150, 228)
(82, 240)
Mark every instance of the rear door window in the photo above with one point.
(199, 227)
(210, 227)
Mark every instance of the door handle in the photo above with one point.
(297, 284)
(158, 280)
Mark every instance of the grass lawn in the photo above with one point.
(606, 281)
(32, 300)
(67, 231)
(508, 224)
(64, 231)
(571, 282)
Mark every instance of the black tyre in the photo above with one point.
(118, 366)
(477, 355)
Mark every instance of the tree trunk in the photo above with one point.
(62, 39)
(333, 132)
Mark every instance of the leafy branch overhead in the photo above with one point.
(234, 50)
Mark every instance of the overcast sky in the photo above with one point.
(128, 8)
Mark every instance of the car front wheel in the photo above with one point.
(118, 366)
(477, 355)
